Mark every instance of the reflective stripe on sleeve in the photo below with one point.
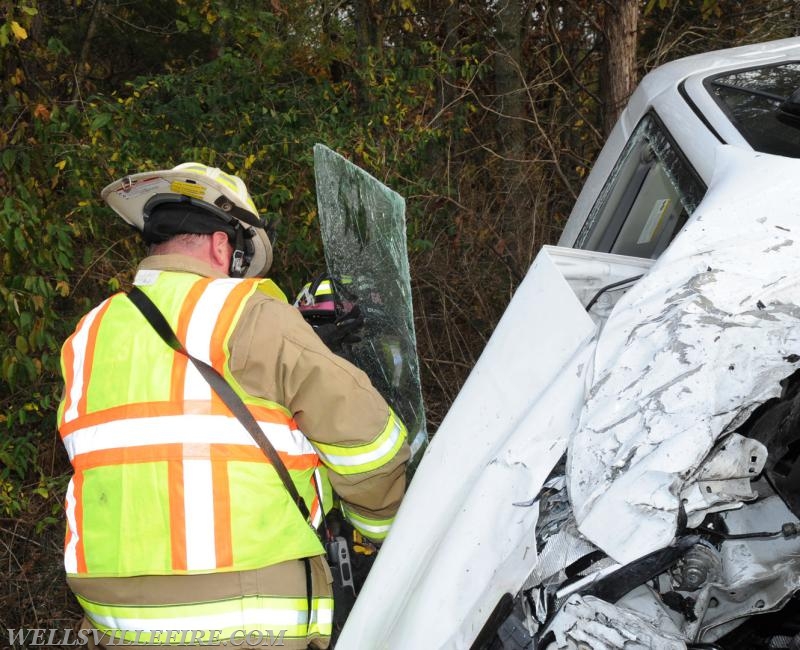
(324, 288)
(373, 528)
(367, 457)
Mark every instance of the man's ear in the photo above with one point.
(221, 249)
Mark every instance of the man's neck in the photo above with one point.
(181, 263)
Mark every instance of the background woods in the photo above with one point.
(485, 115)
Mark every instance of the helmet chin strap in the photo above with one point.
(240, 260)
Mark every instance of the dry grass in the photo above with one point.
(34, 592)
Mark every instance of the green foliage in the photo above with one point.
(254, 107)
(251, 88)
(92, 90)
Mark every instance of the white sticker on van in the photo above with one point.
(653, 224)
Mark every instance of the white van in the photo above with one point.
(620, 469)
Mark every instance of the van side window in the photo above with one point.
(647, 199)
(756, 101)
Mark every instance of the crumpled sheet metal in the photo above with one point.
(588, 623)
(688, 353)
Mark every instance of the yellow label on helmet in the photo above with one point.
(188, 189)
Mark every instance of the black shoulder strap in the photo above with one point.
(222, 388)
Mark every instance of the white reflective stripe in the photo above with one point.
(295, 440)
(317, 515)
(316, 518)
(70, 552)
(146, 277)
(263, 617)
(378, 527)
(322, 616)
(370, 528)
(194, 386)
(198, 335)
(198, 503)
(79, 343)
(368, 456)
(203, 429)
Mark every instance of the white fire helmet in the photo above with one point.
(194, 198)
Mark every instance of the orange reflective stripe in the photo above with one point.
(222, 328)
(67, 539)
(223, 536)
(68, 362)
(254, 454)
(157, 409)
(180, 361)
(77, 483)
(233, 304)
(126, 411)
(125, 455)
(315, 503)
(68, 353)
(174, 451)
(266, 414)
(177, 514)
(88, 359)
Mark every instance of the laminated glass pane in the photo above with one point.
(364, 234)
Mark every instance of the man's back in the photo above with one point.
(171, 493)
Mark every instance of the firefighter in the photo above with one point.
(176, 519)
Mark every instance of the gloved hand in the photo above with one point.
(344, 329)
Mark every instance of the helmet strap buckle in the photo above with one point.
(242, 251)
(238, 266)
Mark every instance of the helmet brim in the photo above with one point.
(128, 196)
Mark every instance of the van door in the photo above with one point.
(649, 195)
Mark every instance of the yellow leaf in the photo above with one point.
(61, 164)
(19, 30)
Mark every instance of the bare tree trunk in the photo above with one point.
(512, 223)
(618, 74)
(508, 79)
(368, 24)
(448, 38)
(83, 61)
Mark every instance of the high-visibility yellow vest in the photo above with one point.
(166, 481)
